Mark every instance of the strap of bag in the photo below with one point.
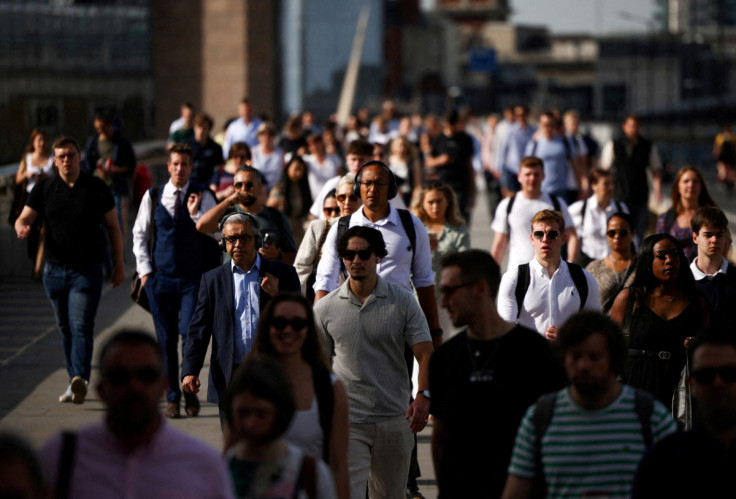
(508, 214)
(307, 478)
(581, 283)
(411, 233)
(342, 227)
(522, 285)
(66, 464)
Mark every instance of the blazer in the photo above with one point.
(214, 316)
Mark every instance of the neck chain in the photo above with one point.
(475, 353)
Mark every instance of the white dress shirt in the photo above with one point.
(592, 229)
(548, 301)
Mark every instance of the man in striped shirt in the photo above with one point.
(587, 439)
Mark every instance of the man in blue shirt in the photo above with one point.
(512, 150)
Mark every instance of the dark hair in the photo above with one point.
(623, 216)
(709, 216)
(704, 199)
(264, 378)
(599, 173)
(35, 133)
(16, 447)
(582, 325)
(360, 147)
(129, 337)
(288, 189)
(106, 115)
(312, 351)
(644, 277)
(475, 265)
(255, 171)
(204, 119)
(65, 141)
(373, 236)
(713, 335)
(239, 146)
(182, 149)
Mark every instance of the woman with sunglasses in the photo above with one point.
(616, 270)
(291, 195)
(287, 333)
(658, 312)
(436, 206)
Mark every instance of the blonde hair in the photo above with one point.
(452, 214)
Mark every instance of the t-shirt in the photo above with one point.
(459, 148)
(480, 390)
(74, 218)
(588, 453)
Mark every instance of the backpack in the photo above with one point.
(522, 284)
(555, 204)
(406, 222)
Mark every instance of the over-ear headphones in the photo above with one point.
(393, 187)
(253, 222)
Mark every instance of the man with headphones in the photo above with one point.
(230, 300)
(171, 256)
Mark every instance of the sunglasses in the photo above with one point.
(239, 185)
(245, 238)
(342, 197)
(297, 323)
(707, 375)
(365, 254)
(621, 232)
(118, 376)
(551, 235)
(331, 211)
(448, 291)
(662, 255)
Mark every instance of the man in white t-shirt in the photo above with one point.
(513, 215)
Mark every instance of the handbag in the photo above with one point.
(682, 402)
(20, 195)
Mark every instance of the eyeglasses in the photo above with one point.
(342, 197)
(239, 185)
(119, 376)
(297, 323)
(448, 291)
(621, 232)
(245, 238)
(707, 375)
(551, 234)
(331, 211)
(363, 254)
(662, 255)
(374, 183)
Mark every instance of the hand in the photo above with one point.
(270, 284)
(269, 251)
(118, 275)
(551, 333)
(419, 413)
(193, 202)
(23, 231)
(190, 384)
(144, 280)
(227, 191)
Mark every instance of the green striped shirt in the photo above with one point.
(587, 453)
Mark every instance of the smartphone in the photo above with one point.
(269, 238)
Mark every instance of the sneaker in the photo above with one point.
(66, 397)
(79, 389)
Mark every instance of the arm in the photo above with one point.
(419, 409)
(328, 269)
(428, 303)
(24, 222)
(210, 219)
(116, 243)
(517, 488)
(306, 255)
(436, 161)
(607, 156)
(506, 301)
(573, 244)
(618, 310)
(339, 441)
(498, 248)
(198, 339)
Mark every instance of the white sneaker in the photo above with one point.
(67, 395)
(79, 389)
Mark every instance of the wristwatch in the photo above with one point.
(425, 393)
(436, 332)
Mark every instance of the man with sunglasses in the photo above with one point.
(365, 324)
(136, 451)
(542, 294)
(171, 257)
(700, 462)
(230, 300)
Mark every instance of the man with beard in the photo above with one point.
(491, 371)
(587, 439)
(365, 324)
(133, 452)
(278, 242)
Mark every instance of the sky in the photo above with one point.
(584, 16)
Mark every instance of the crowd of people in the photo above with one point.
(323, 265)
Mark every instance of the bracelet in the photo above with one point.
(436, 332)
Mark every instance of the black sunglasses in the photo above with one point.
(707, 375)
(621, 232)
(332, 211)
(363, 254)
(239, 185)
(118, 376)
(243, 238)
(342, 197)
(297, 323)
(551, 235)
(448, 291)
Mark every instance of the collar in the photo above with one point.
(699, 274)
(393, 217)
(380, 291)
(256, 265)
(170, 187)
(535, 266)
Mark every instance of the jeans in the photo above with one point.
(75, 294)
(172, 300)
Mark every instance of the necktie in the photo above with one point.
(177, 204)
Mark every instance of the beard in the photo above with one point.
(249, 201)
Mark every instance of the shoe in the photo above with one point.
(66, 397)
(79, 389)
(172, 410)
(191, 404)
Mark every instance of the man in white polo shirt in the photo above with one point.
(543, 293)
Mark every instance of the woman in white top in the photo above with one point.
(287, 333)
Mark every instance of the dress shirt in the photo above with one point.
(319, 173)
(143, 221)
(395, 267)
(512, 150)
(246, 293)
(240, 131)
(700, 275)
(548, 301)
(592, 230)
(556, 164)
(270, 165)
